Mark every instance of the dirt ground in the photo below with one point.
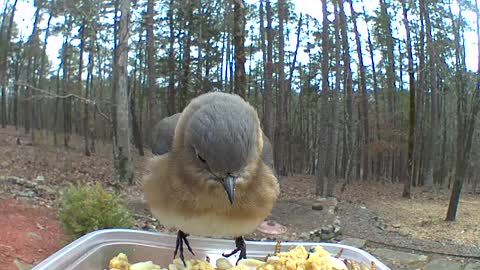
(373, 211)
(423, 217)
(29, 234)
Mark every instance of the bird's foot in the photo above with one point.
(182, 238)
(240, 246)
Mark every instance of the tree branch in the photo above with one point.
(47, 94)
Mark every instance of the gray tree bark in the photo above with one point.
(411, 119)
(364, 100)
(268, 125)
(281, 127)
(239, 22)
(4, 62)
(330, 163)
(324, 110)
(122, 154)
(171, 108)
(151, 59)
(348, 113)
(432, 58)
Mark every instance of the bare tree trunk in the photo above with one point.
(443, 166)
(433, 92)
(4, 61)
(239, 43)
(288, 99)
(268, 74)
(228, 77)
(151, 68)
(88, 88)
(171, 108)
(379, 156)
(364, 99)
(114, 81)
(141, 96)
(200, 88)
(220, 69)
(347, 80)
(18, 67)
(67, 102)
(122, 155)
(185, 76)
(43, 63)
(251, 74)
(55, 114)
(28, 95)
(101, 80)
(4, 18)
(390, 112)
(136, 131)
(390, 58)
(421, 121)
(32, 49)
(135, 83)
(324, 110)
(313, 136)
(206, 80)
(257, 86)
(280, 129)
(3, 67)
(411, 119)
(93, 121)
(228, 73)
(331, 163)
(80, 87)
(398, 141)
(465, 129)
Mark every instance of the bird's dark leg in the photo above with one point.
(182, 238)
(240, 246)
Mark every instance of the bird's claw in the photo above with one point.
(240, 246)
(182, 238)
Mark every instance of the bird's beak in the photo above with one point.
(229, 186)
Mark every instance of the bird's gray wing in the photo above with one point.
(267, 152)
(162, 135)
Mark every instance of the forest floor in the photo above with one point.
(372, 213)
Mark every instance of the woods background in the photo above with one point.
(378, 90)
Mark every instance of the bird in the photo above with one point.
(212, 173)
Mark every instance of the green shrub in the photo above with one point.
(84, 209)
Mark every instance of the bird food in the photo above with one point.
(296, 258)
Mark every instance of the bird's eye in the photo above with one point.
(201, 158)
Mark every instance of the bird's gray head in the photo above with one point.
(220, 139)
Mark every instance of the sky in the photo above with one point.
(25, 13)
